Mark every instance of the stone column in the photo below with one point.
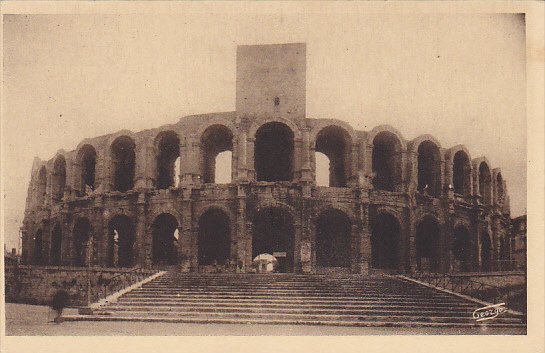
(242, 157)
(241, 235)
(250, 156)
(141, 250)
(186, 235)
(412, 251)
(306, 168)
(297, 152)
(365, 237)
(248, 246)
(306, 237)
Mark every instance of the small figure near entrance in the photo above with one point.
(59, 301)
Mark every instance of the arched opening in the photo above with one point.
(121, 239)
(274, 152)
(223, 168)
(87, 159)
(81, 235)
(429, 168)
(333, 245)
(168, 150)
(215, 140)
(39, 248)
(461, 249)
(428, 239)
(41, 186)
(165, 240)
(214, 238)
(461, 174)
(322, 169)
(385, 242)
(336, 144)
(499, 189)
(56, 242)
(485, 183)
(486, 252)
(123, 159)
(273, 233)
(386, 161)
(58, 181)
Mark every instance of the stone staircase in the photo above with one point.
(287, 299)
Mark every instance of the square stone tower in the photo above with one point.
(271, 80)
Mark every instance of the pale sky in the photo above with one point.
(460, 78)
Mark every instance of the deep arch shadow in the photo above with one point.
(385, 237)
(214, 237)
(274, 231)
(333, 239)
(274, 147)
(164, 242)
(428, 245)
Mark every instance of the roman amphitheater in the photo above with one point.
(150, 198)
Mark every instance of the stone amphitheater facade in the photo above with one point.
(149, 198)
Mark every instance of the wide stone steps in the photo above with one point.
(349, 300)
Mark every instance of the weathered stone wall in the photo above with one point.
(37, 285)
(358, 161)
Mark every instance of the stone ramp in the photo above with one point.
(292, 299)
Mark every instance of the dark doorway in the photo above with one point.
(214, 237)
(121, 239)
(336, 144)
(486, 252)
(39, 248)
(429, 168)
(58, 181)
(461, 174)
(274, 152)
(123, 159)
(385, 242)
(273, 234)
(168, 150)
(81, 234)
(485, 183)
(41, 187)
(386, 161)
(461, 249)
(165, 240)
(56, 242)
(333, 233)
(428, 245)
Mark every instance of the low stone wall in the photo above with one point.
(37, 284)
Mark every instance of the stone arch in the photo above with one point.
(38, 247)
(277, 204)
(86, 161)
(215, 139)
(81, 233)
(461, 248)
(214, 237)
(258, 123)
(429, 159)
(387, 163)
(336, 143)
(333, 235)
(167, 151)
(41, 186)
(55, 254)
(274, 232)
(164, 242)
(387, 128)
(428, 243)
(58, 178)
(484, 180)
(123, 156)
(274, 152)
(460, 178)
(385, 241)
(121, 238)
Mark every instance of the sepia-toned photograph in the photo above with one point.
(265, 169)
